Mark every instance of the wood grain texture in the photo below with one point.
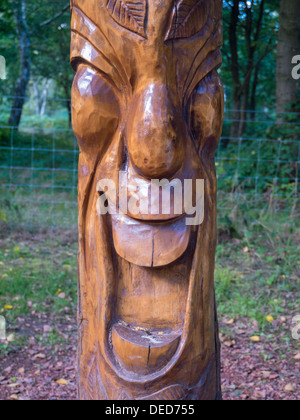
(148, 109)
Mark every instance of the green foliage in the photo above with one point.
(32, 192)
(260, 169)
(49, 46)
(265, 93)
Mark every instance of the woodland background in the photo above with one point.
(257, 262)
(260, 39)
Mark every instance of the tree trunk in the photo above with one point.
(44, 96)
(69, 113)
(242, 85)
(25, 62)
(288, 47)
(37, 97)
(253, 93)
(236, 116)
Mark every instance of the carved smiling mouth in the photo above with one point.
(137, 346)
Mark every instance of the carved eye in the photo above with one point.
(206, 113)
(95, 110)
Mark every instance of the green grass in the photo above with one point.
(33, 274)
(56, 116)
(257, 274)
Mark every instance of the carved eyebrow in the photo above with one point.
(98, 52)
(131, 14)
(189, 18)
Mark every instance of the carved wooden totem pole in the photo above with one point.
(147, 105)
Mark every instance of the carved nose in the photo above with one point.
(155, 138)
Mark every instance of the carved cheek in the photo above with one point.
(95, 111)
(206, 114)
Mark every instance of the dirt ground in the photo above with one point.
(250, 371)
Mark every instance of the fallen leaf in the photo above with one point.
(8, 307)
(297, 357)
(13, 385)
(289, 388)
(10, 338)
(13, 397)
(62, 382)
(260, 394)
(47, 329)
(255, 339)
(269, 318)
(265, 374)
(230, 322)
(229, 343)
(40, 356)
(62, 296)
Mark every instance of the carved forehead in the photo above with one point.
(160, 40)
(150, 19)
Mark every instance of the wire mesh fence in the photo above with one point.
(38, 168)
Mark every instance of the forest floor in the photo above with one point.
(258, 301)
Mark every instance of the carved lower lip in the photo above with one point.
(142, 351)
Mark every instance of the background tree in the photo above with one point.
(250, 29)
(248, 71)
(287, 90)
(35, 37)
(19, 11)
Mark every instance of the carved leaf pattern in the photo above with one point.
(131, 14)
(189, 17)
(172, 393)
(94, 387)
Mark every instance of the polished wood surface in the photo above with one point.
(147, 101)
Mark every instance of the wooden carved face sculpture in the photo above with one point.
(147, 102)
